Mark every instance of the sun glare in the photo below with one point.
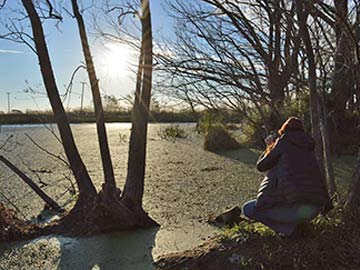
(116, 60)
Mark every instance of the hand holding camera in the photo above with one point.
(271, 138)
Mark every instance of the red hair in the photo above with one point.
(269, 147)
(293, 123)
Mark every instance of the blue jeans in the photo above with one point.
(282, 219)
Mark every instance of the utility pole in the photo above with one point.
(8, 94)
(82, 95)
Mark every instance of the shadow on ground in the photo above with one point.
(125, 250)
(245, 155)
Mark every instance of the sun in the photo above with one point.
(116, 59)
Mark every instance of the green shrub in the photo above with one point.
(172, 132)
(218, 138)
(209, 119)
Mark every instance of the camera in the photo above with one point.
(271, 137)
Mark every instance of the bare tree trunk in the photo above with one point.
(342, 78)
(341, 83)
(314, 101)
(99, 112)
(86, 187)
(49, 201)
(134, 186)
(329, 172)
(354, 190)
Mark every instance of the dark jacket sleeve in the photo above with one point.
(267, 161)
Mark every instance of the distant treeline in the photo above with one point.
(118, 116)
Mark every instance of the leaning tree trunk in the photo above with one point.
(134, 186)
(99, 112)
(46, 198)
(86, 187)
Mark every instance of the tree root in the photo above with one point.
(13, 228)
(103, 213)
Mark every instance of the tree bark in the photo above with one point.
(342, 80)
(49, 201)
(134, 186)
(86, 187)
(314, 100)
(329, 172)
(341, 83)
(354, 190)
(99, 111)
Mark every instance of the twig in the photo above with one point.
(12, 204)
(3, 4)
(58, 157)
(6, 141)
(49, 201)
(68, 88)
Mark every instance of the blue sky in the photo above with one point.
(19, 65)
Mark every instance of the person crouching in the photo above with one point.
(293, 190)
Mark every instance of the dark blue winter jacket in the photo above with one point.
(293, 173)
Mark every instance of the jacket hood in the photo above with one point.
(300, 139)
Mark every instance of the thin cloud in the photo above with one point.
(11, 51)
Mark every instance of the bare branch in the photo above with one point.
(57, 157)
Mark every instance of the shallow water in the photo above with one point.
(125, 250)
(184, 185)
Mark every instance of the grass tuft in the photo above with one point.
(330, 242)
(172, 132)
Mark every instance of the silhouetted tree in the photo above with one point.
(99, 111)
(86, 187)
(319, 130)
(108, 210)
(134, 187)
(233, 54)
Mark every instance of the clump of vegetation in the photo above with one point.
(218, 138)
(231, 126)
(207, 120)
(172, 132)
(123, 138)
